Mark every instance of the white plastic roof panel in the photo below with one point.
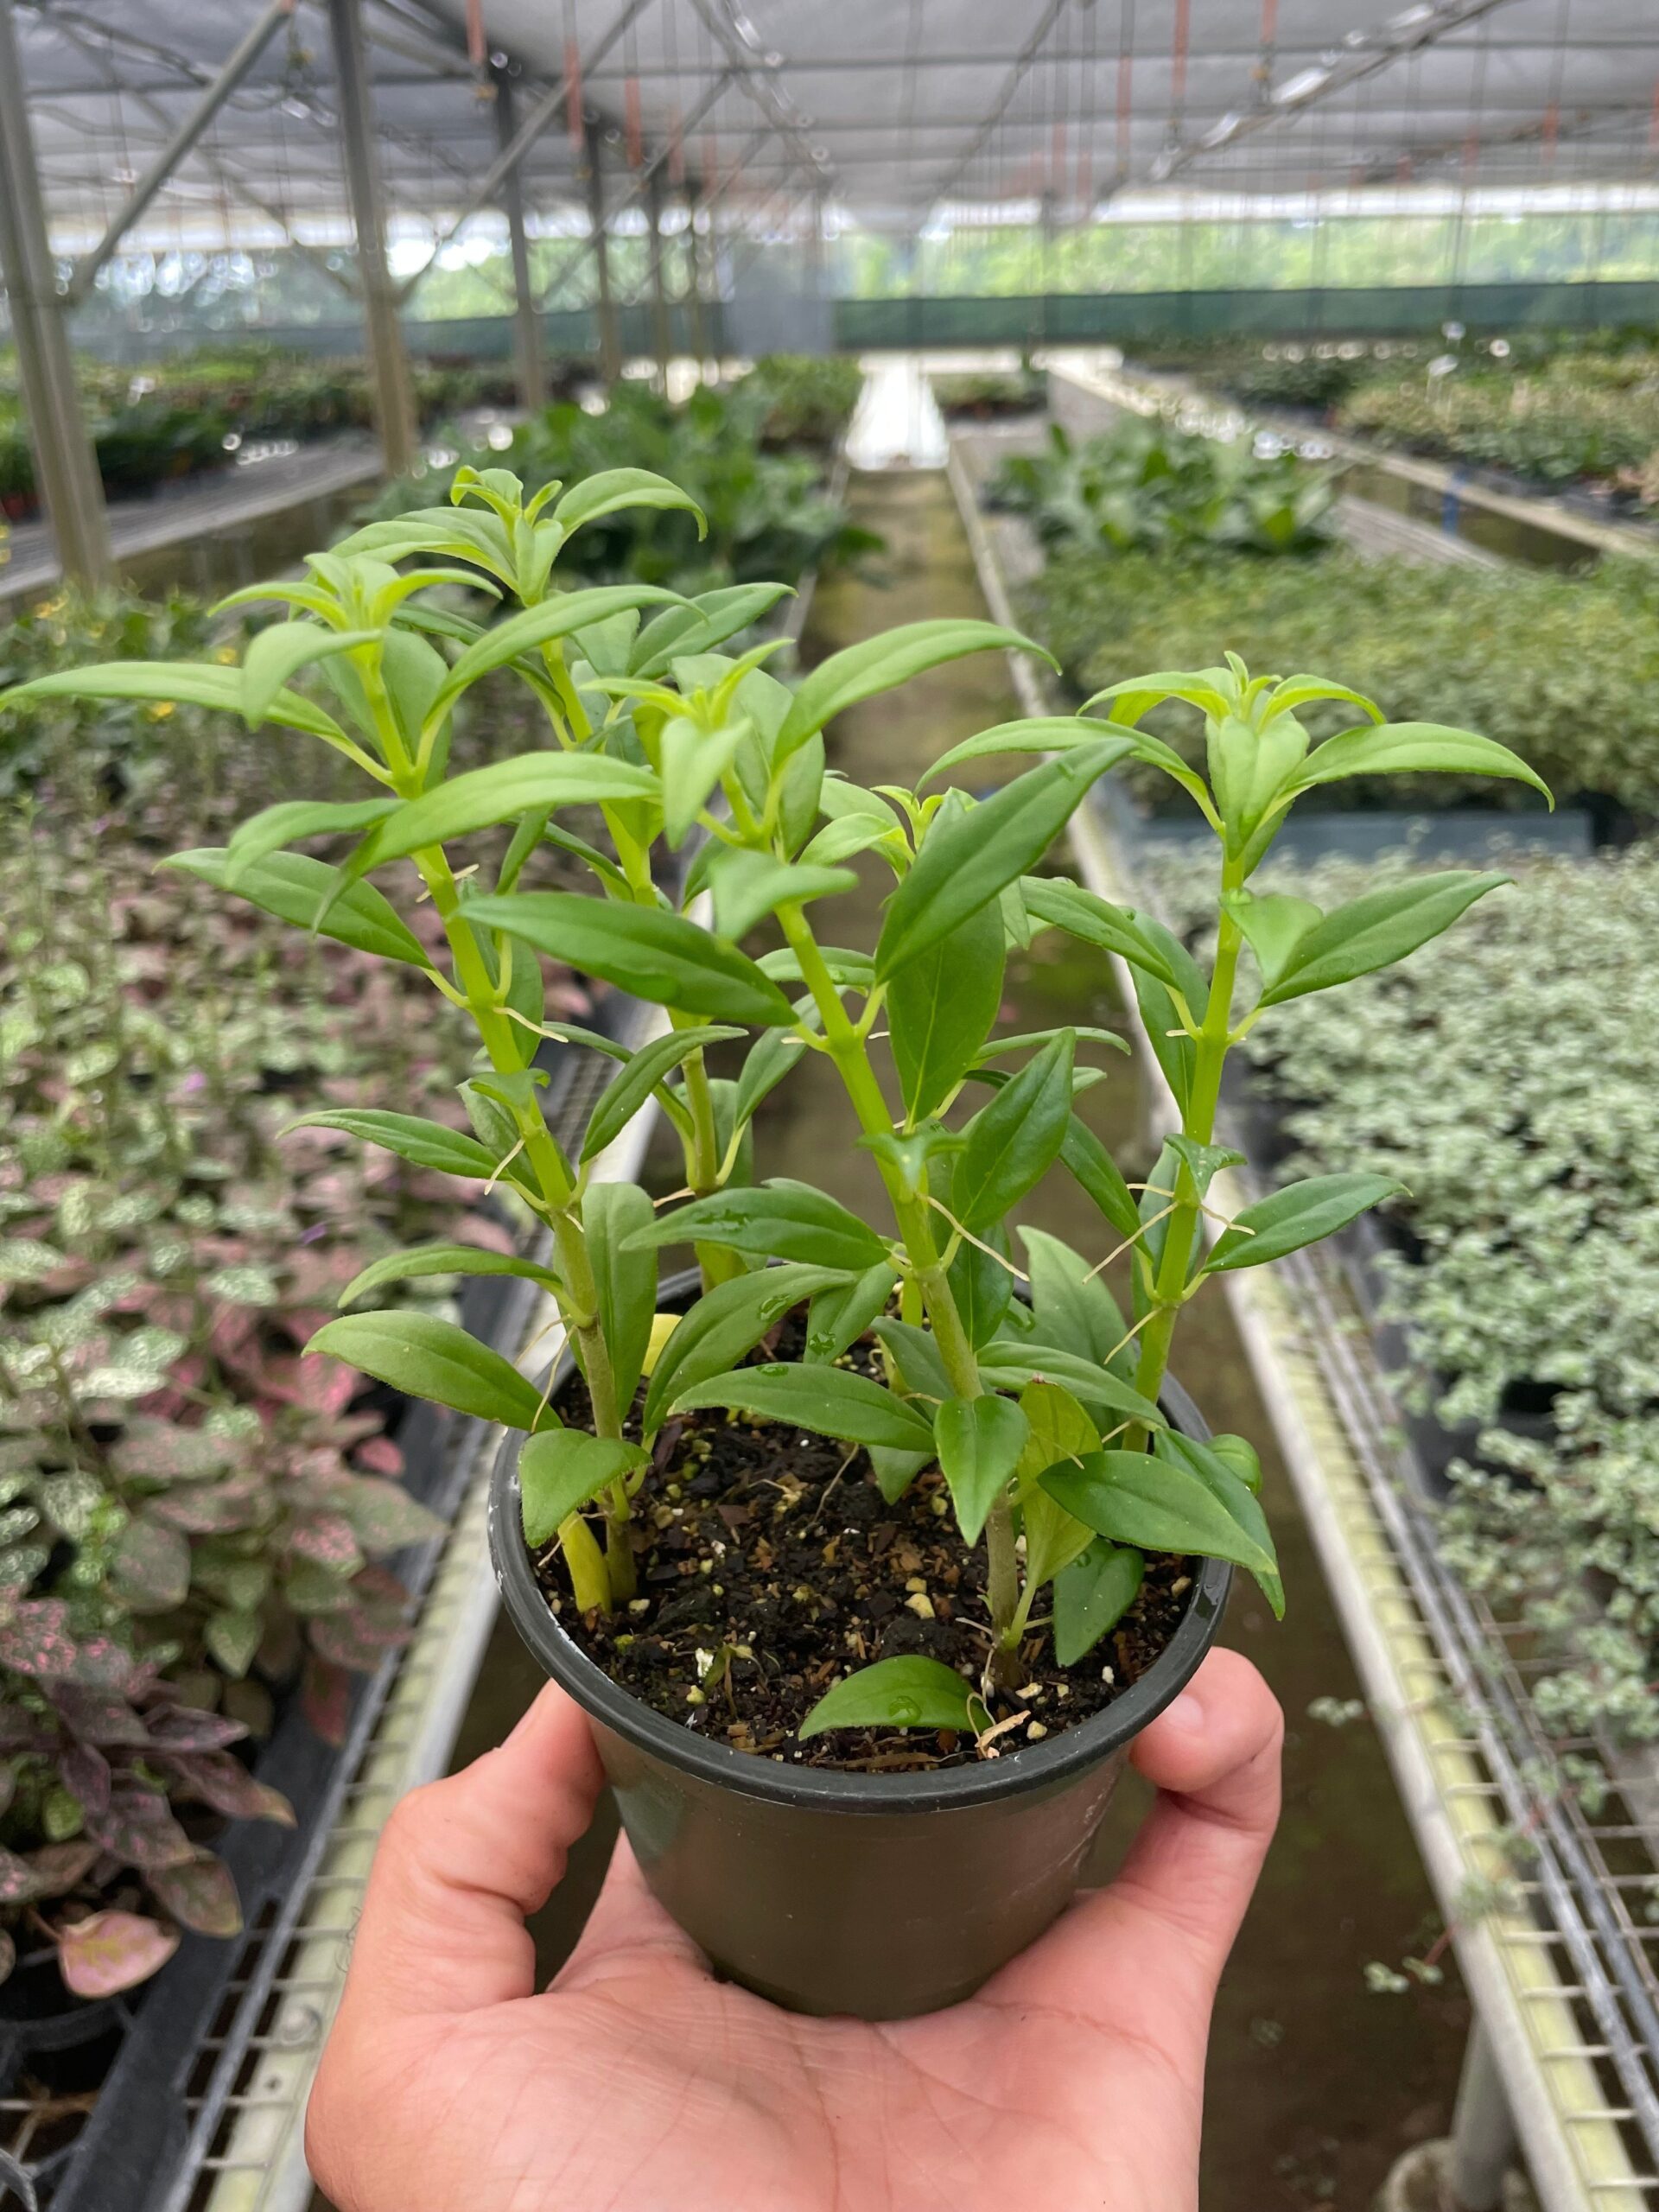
(889, 108)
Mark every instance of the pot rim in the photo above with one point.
(1033, 1766)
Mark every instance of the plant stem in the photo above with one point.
(847, 1049)
(1198, 1121)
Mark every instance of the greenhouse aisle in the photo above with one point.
(1308, 2106)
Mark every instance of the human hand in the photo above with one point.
(1073, 2080)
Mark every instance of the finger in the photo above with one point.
(463, 1861)
(625, 1924)
(1163, 1929)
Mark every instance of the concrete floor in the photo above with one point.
(1315, 2085)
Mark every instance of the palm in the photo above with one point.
(1073, 2079)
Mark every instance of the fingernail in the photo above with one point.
(1186, 1713)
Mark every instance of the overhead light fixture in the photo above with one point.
(1219, 133)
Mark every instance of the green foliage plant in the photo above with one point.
(1044, 1419)
(1146, 483)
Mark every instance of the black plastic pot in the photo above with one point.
(876, 1895)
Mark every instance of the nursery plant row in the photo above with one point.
(1539, 410)
(1510, 1280)
(173, 419)
(1161, 541)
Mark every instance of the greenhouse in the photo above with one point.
(828, 1311)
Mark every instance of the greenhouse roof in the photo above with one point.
(896, 112)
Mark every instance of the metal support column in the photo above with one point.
(529, 352)
(662, 330)
(610, 344)
(1484, 2145)
(65, 465)
(696, 319)
(394, 406)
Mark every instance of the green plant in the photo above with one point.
(1553, 427)
(1148, 484)
(808, 397)
(1564, 668)
(991, 392)
(1530, 1239)
(1045, 1422)
(765, 514)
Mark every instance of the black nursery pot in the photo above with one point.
(880, 1896)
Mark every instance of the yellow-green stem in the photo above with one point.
(911, 1213)
(1199, 1122)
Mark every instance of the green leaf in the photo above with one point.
(1053, 1537)
(693, 760)
(706, 622)
(979, 1441)
(840, 1313)
(1096, 921)
(1204, 1162)
(612, 489)
(966, 859)
(442, 1260)
(879, 664)
(173, 681)
(501, 792)
(1414, 749)
(293, 886)
(645, 950)
(281, 651)
(851, 834)
(1074, 1310)
(1373, 932)
(1012, 1141)
(1060, 1429)
(426, 1357)
(612, 1214)
(770, 1059)
(1172, 1047)
(1273, 925)
(1300, 1214)
(829, 1400)
(424, 1144)
(562, 1469)
(915, 1354)
(1037, 734)
(290, 820)
(1294, 691)
(725, 1323)
(781, 1219)
(909, 1692)
(896, 1470)
(1238, 1453)
(1092, 1595)
(1098, 1174)
(1010, 1366)
(749, 886)
(539, 626)
(1134, 1499)
(942, 1007)
(1235, 1493)
(627, 1092)
(982, 1286)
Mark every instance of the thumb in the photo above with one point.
(461, 1865)
(1157, 1939)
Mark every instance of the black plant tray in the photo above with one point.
(129, 2079)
